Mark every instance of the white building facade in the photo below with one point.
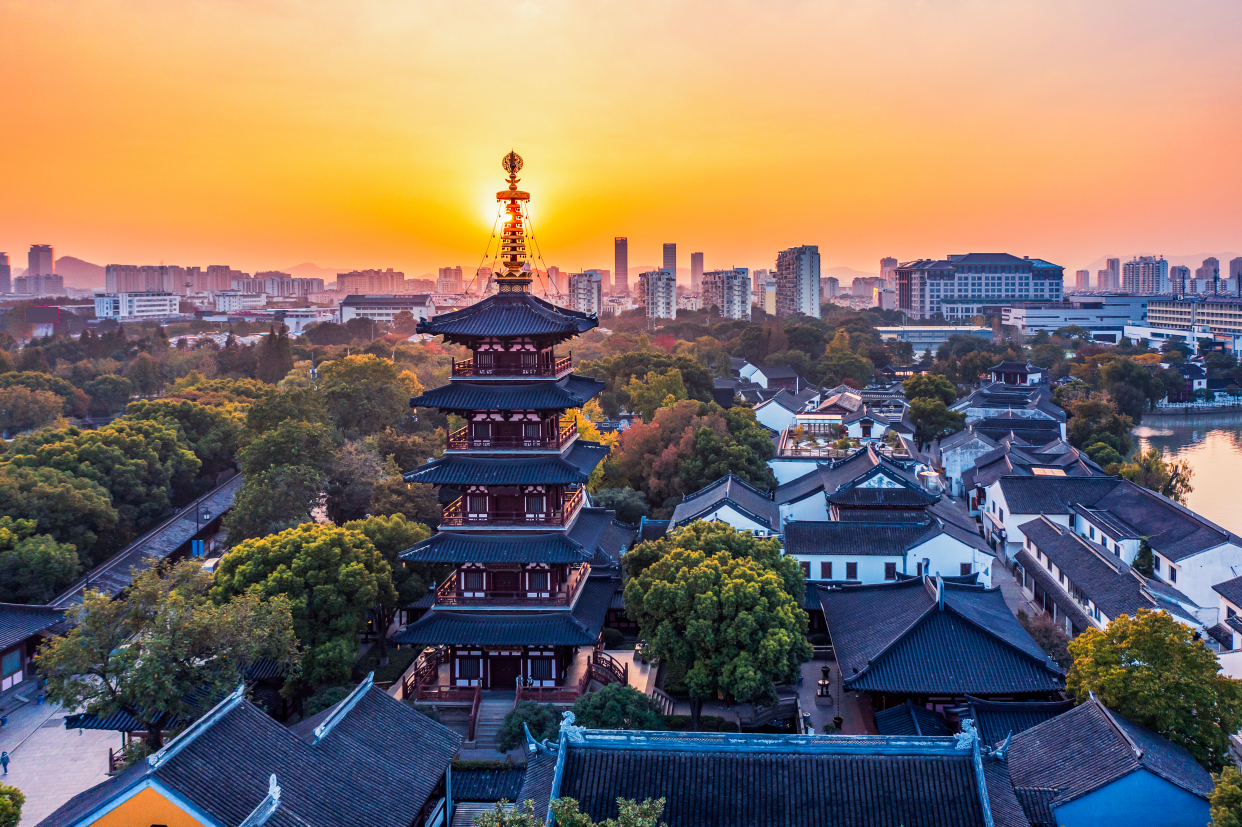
(729, 290)
(586, 292)
(797, 281)
(146, 305)
(658, 292)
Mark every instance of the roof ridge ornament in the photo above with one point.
(198, 727)
(570, 732)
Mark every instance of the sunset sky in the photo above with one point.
(264, 133)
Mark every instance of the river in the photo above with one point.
(1212, 443)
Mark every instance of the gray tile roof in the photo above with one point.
(1066, 605)
(894, 637)
(911, 719)
(509, 314)
(537, 785)
(447, 547)
(1034, 431)
(1090, 747)
(595, 530)
(1231, 590)
(1173, 530)
(19, 621)
(572, 391)
(355, 775)
(577, 627)
(907, 493)
(996, 720)
(730, 490)
(488, 785)
(573, 467)
(869, 538)
(1053, 495)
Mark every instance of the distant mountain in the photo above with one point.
(79, 273)
(1194, 262)
(846, 275)
(306, 270)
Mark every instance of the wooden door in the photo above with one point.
(505, 672)
(506, 581)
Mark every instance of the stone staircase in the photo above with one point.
(492, 711)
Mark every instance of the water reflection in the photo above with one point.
(1212, 444)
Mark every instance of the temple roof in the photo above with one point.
(447, 547)
(569, 392)
(509, 314)
(578, 627)
(574, 467)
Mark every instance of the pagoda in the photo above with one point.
(517, 525)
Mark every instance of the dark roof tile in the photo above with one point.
(509, 314)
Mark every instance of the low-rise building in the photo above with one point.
(385, 308)
(234, 301)
(136, 305)
(21, 631)
(730, 500)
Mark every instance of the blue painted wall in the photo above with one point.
(1139, 798)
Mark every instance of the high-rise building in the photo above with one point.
(621, 265)
(1145, 274)
(1235, 268)
(888, 270)
(1104, 280)
(967, 285)
(40, 285)
(657, 291)
(482, 279)
(375, 282)
(449, 280)
(586, 292)
(1179, 279)
(729, 290)
(1082, 280)
(797, 281)
(6, 274)
(1209, 272)
(670, 259)
(696, 273)
(758, 277)
(829, 288)
(604, 276)
(41, 261)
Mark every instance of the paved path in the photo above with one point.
(49, 763)
(1015, 598)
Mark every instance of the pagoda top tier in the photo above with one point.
(509, 315)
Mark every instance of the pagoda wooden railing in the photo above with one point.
(601, 667)
(455, 514)
(461, 439)
(450, 593)
(426, 671)
(543, 367)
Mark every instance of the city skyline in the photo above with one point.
(339, 135)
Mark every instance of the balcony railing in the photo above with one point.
(543, 367)
(451, 593)
(456, 515)
(462, 441)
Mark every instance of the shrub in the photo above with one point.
(617, 707)
(613, 639)
(541, 718)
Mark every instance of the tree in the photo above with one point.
(275, 356)
(331, 577)
(732, 620)
(654, 392)
(34, 568)
(540, 718)
(109, 393)
(1050, 636)
(629, 814)
(22, 409)
(393, 495)
(1164, 475)
(391, 535)
(70, 509)
(11, 801)
(274, 500)
(933, 421)
(305, 444)
(365, 394)
(404, 323)
(519, 815)
(617, 707)
(165, 651)
(351, 481)
(299, 404)
(630, 505)
(1144, 562)
(146, 374)
(1226, 798)
(212, 433)
(929, 386)
(75, 401)
(1151, 670)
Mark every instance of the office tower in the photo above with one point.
(888, 270)
(1209, 273)
(6, 274)
(1144, 274)
(657, 291)
(670, 259)
(554, 286)
(696, 273)
(41, 260)
(1083, 280)
(586, 292)
(829, 287)
(621, 265)
(797, 281)
(1113, 266)
(965, 285)
(1179, 279)
(728, 290)
(449, 280)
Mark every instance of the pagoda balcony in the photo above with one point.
(455, 514)
(460, 440)
(543, 368)
(452, 593)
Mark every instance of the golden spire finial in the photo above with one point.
(516, 275)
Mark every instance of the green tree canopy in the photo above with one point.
(68, 508)
(308, 444)
(933, 420)
(1151, 670)
(109, 393)
(732, 620)
(11, 801)
(331, 576)
(929, 386)
(617, 706)
(75, 401)
(274, 500)
(391, 535)
(540, 718)
(22, 409)
(629, 814)
(298, 404)
(1164, 475)
(1226, 800)
(275, 356)
(164, 649)
(654, 391)
(630, 505)
(34, 568)
(365, 394)
(212, 433)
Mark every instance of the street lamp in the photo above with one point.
(201, 515)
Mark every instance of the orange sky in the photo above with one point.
(263, 133)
